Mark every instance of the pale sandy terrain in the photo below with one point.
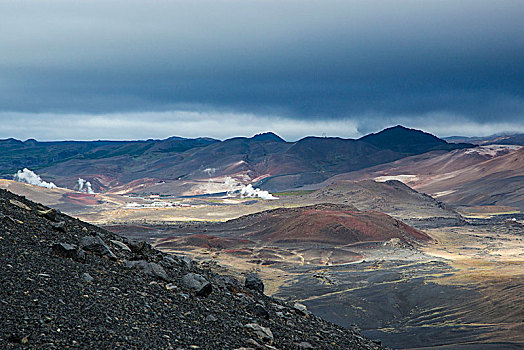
(479, 252)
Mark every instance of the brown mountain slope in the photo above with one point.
(498, 181)
(391, 197)
(487, 175)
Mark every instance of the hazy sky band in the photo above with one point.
(373, 62)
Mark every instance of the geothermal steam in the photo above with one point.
(251, 192)
(235, 189)
(85, 186)
(209, 171)
(29, 177)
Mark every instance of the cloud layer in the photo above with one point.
(358, 65)
(145, 125)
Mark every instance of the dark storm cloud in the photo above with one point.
(375, 62)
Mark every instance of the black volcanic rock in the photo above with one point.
(59, 226)
(268, 136)
(49, 300)
(254, 282)
(67, 251)
(151, 269)
(409, 141)
(198, 284)
(49, 214)
(96, 245)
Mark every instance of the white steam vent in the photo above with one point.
(84, 186)
(235, 189)
(29, 177)
(251, 192)
(209, 171)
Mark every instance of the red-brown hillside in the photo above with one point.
(81, 198)
(324, 223)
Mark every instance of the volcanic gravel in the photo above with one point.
(67, 284)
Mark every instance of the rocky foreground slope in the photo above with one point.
(67, 284)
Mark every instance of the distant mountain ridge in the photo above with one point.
(500, 139)
(282, 164)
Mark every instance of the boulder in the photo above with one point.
(254, 282)
(300, 308)
(152, 269)
(141, 248)
(97, 246)
(67, 250)
(259, 310)
(49, 214)
(19, 204)
(211, 318)
(304, 345)
(87, 278)
(197, 283)
(228, 282)
(263, 333)
(186, 262)
(59, 226)
(121, 245)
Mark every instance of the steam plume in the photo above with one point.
(251, 192)
(210, 171)
(235, 188)
(230, 184)
(85, 186)
(29, 177)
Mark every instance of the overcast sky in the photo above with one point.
(152, 69)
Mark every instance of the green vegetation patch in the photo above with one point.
(293, 193)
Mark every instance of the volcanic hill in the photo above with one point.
(328, 224)
(325, 223)
(68, 284)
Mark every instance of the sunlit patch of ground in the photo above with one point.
(486, 211)
(407, 179)
(480, 252)
(188, 209)
(442, 193)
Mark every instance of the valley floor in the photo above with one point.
(466, 290)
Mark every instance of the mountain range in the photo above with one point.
(265, 158)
